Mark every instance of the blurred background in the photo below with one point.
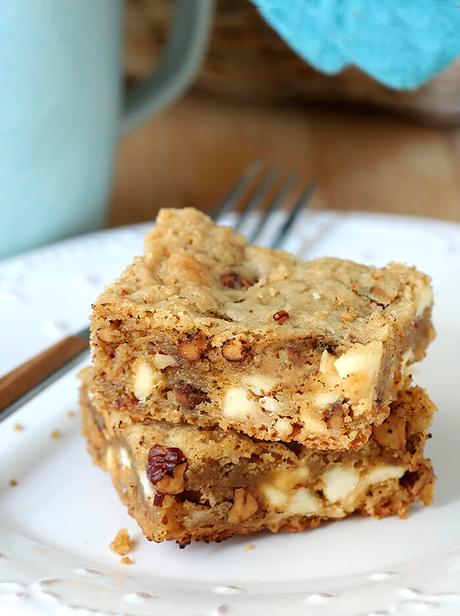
(164, 103)
(370, 147)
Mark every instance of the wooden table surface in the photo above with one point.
(363, 160)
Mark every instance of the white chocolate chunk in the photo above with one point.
(325, 399)
(271, 404)
(315, 295)
(383, 472)
(146, 485)
(362, 359)
(124, 458)
(323, 361)
(283, 427)
(425, 300)
(145, 380)
(312, 424)
(285, 480)
(161, 361)
(339, 482)
(238, 405)
(259, 384)
(276, 498)
(303, 502)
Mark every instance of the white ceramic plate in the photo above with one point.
(56, 525)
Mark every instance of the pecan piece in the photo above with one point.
(190, 396)
(163, 500)
(193, 346)
(244, 506)
(232, 280)
(110, 332)
(235, 350)
(165, 469)
(281, 317)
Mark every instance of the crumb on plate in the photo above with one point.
(126, 560)
(249, 547)
(55, 434)
(71, 414)
(18, 427)
(13, 483)
(122, 543)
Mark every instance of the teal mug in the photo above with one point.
(62, 109)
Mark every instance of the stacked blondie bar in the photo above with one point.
(235, 388)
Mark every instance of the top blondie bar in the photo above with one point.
(205, 328)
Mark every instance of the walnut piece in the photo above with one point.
(281, 317)
(192, 347)
(189, 396)
(163, 500)
(235, 350)
(232, 280)
(110, 332)
(391, 433)
(165, 469)
(244, 506)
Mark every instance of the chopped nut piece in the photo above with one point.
(235, 350)
(110, 332)
(189, 396)
(18, 427)
(193, 347)
(158, 499)
(122, 543)
(13, 483)
(163, 500)
(55, 434)
(232, 280)
(126, 560)
(244, 506)
(281, 316)
(175, 483)
(391, 433)
(165, 468)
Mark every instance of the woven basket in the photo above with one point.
(247, 59)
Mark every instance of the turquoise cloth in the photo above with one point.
(401, 43)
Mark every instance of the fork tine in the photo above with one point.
(276, 202)
(257, 198)
(293, 214)
(234, 196)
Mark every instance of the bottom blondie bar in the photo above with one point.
(185, 483)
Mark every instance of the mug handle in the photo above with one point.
(177, 66)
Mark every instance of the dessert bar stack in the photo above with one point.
(235, 388)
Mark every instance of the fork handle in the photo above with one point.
(32, 376)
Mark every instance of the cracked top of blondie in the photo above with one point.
(195, 274)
